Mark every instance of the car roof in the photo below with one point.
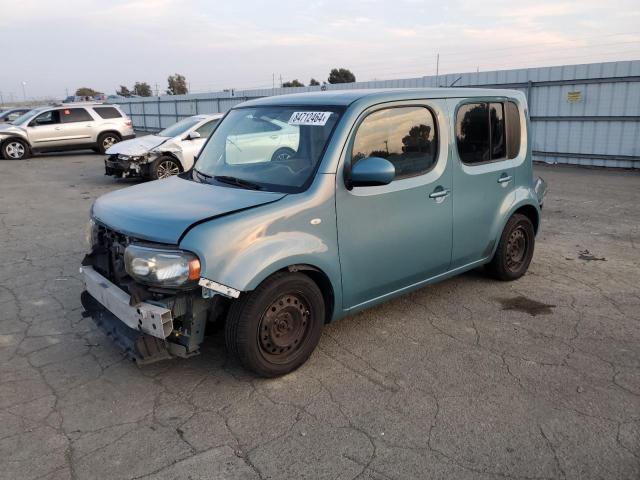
(347, 97)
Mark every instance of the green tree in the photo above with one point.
(87, 92)
(341, 75)
(142, 89)
(293, 83)
(313, 82)
(123, 91)
(177, 85)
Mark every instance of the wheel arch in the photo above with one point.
(323, 282)
(531, 212)
(112, 131)
(166, 153)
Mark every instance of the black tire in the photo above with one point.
(15, 149)
(515, 249)
(164, 167)
(275, 328)
(106, 140)
(282, 154)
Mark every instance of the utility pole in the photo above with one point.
(24, 93)
(157, 90)
(437, 69)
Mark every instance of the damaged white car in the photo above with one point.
(164, 154)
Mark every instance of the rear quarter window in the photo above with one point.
(107, 112)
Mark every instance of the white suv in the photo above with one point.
(64, 127)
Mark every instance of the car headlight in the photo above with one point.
(91, 233)
(167, 268)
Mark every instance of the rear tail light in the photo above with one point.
(128, 123)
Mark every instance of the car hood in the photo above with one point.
(162, 210)
(136, 146)
(7, 129)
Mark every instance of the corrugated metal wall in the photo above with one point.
(581, 114)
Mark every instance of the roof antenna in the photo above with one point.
(455, 81)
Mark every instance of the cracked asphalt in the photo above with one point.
(470, 378)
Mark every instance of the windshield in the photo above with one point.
(268, 148)
(24, 117)
(179, 128)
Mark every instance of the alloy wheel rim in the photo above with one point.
(167, 169)
(15, 150)
(284, 327)
(282, 156)
(516, 248)
(109, 142)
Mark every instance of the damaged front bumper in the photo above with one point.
(145, 331)
(126, 166)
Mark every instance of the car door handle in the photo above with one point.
(439, 193)
(505, 178)
(57, 128)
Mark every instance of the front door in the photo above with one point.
(483, 178)
(46, 130)
(190, 148)
(395, 236)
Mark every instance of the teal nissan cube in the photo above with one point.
(302, 209)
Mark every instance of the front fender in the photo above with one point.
(242, 249)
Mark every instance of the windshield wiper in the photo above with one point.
(238, 182)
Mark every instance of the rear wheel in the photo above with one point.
(15, 149)
(515, 249)
(164, 167)
(275, 328)
(106, 140)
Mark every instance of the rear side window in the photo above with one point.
(513, 130)
(406, 136)
(71, 115)
(487, 132)
(107, 112)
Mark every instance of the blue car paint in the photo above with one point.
(163, 210)
(273, 231)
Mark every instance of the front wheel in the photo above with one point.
(515, 249)
(15, 149)
(275, 328)
(164, 167)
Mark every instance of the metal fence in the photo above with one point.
(580, 114)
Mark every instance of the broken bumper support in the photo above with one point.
(140, 330)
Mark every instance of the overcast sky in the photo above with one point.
(53, 45)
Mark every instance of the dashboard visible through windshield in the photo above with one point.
(274, 148)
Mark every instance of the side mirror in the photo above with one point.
(193, 135)
(372, 171)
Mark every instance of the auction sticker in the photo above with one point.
(309, 118)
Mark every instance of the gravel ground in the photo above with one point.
(470, 378)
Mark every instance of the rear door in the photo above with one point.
(395, 236)
(78, 126)
(483, 177)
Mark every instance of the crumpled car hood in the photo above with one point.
(7, 128)
(161, 211)
(137, 146)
